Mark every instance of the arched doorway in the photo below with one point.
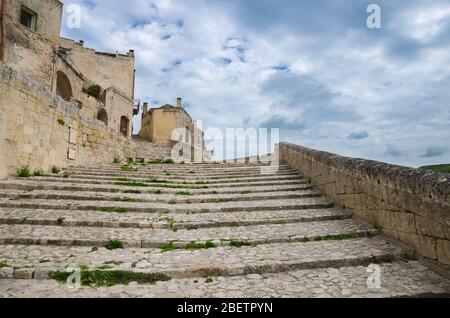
(124, 125)
(63, 87)
(103, 116)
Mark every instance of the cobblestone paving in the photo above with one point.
(399, 279)
(255, 235)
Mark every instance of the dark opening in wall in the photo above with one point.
(103, 116)
(63, 87)
(28, 18)
(124, 125)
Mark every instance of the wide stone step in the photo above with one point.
(30, 185)
(173, 185)
(170, 206)
(165, 220)
(222, 261)
(180, 197)
(192, 181)
(399, 279)
(155, 238)
(185, 172)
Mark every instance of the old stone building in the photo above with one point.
(61, 103)
(170, 125)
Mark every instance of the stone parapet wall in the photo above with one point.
(407, 204)
(41, 130)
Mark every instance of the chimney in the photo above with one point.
(179, 101)
(145, 109)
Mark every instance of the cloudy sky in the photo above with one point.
(309, 67)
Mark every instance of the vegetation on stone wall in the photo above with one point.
(437, 168)
(94, 91)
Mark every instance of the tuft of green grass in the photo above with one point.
(38, 173)
(168, 247)
(60, 221)
(128, 168)
(184, 193)
(153, 162)
(238, 243)
(156, 180)
(173, 201)
(124, 199)
(3, 264)
(55, 170)
(168, 161)
(209, 280)
(114, 210)
(66, 175)
(61, 121)
(30, 189)
(246, 192)
(114, 244)
(338, 237)
(198, 246)
(129, 191)
(97, 278)
(23, 172)
(158, 192)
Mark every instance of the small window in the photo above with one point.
(28, 18)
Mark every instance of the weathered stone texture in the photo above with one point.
(410, 205)
(34, 137)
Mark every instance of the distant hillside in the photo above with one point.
(437, 168)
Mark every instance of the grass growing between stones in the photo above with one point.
(3, 264)
(238, 243)
(98, 278)
(124, 199)
(173, 201)
(114, 245)
(184, 193)
(128, 167)
(60, 221)
(23, 172)
(338, 237)
(114, 210)
(199, 246)
(168, 247)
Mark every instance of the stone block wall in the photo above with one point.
(407, 204)
(41, 130)
(150, 151)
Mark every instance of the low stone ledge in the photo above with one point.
(410, 205)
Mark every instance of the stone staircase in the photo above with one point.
(211, 230)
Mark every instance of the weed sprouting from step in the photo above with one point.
(154, 162)
(56, 170)
(3, 264)
(30, 189)
(305, 239)
(114, 210)
(198, 246)
(124, 199)
(113, 262)
(338, 237)
(128, 168)
(168, 247)
(60, 221)
(173, 201)
(184, 193)
(246, 192)
(98, 278)
(168, 161)
(61, 121)
(94, 249)
(38, 173)
(66, 175)
(168, 174)
(130, 191)
(156, 180)
(114, 244)
(23, 172)
(238, 243)
(209, 280)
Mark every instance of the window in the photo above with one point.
(124, 123)
(28, 18)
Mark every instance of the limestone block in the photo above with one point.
(24, 273)
(443, 251)
(6, 273)
(429, 247)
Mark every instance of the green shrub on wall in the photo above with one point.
(94, 91)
